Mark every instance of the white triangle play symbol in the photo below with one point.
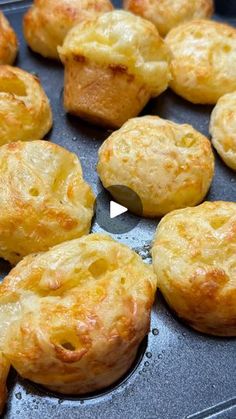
(116, 209)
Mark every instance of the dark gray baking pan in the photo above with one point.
(178, 373)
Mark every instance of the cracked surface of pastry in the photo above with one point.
(25, 112)
(195, 263)
(168, 165)
(72, 318)
(204, 64)
(166, 14)
(8, 42)
(47, 22)
(113, 66)
(43, 198)
(120, 38)
(223, 128)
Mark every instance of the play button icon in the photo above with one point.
(118, 209)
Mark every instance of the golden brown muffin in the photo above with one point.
(25, 112)
(195, 262)
(113, 66)
(8, 42)
(166, 14)
(223, 128)
(168, 165)
(204, 64)
(43, 198)
(47, 22)
(72, 318)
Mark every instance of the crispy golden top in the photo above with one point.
(47, 22)
(72, 318)
(223, 128)
(166, 14)
(43, 198)
(204, 65)
(167, 164)
(25, 112)
(120, 38)
(8, 42)
(194, 259)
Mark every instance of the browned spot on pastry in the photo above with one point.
(69, 356)
(14, 146)
(207, 284)
(67, 223)
(79, 58)
(232, 232)
(118, 68)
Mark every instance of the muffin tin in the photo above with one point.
(178, 373)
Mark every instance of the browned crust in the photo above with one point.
(87, 318)
(47, 22)
(8, 42)
(201, 290)
(165, 17)
(107, 96)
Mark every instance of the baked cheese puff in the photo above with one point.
(113, 66)
(223, 128)
(47, 22)
(168, 165)
(25, 112)
(8, 42)
(166, 14)
(43, 198)
(72, 318)
(194, 259)
(204, 66)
